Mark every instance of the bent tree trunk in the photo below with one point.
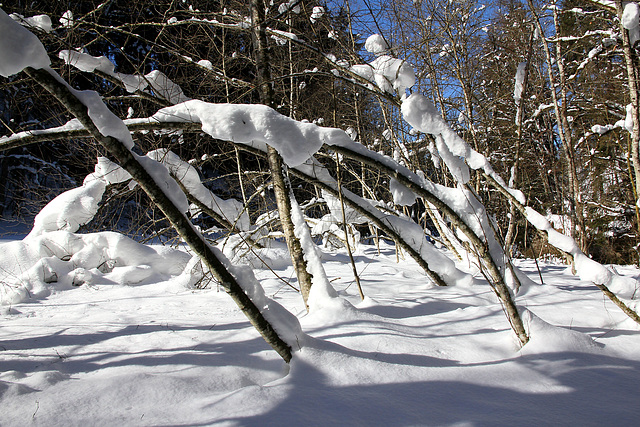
(481, 248)
(178, 220)
(281, 187)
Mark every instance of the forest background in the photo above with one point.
(580, 173)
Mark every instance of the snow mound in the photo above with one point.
(624, 287)
(59, 260)
(547, 338)
(71, 209)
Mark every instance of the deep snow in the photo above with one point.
(410, 354)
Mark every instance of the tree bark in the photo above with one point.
(281, 186)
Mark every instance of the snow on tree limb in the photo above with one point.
(19, 48)
(254, 125)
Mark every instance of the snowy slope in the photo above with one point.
(410, 354)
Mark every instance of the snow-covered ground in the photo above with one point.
(411, 354)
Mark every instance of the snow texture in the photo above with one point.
(387, 73)
(321, 294)
(67, 19)
(586, 268)
(58, 260)
(19, 48)
(409, 231)
(73, 124)
(155, 352)
(71, 209)
(159, 354)
(420, 113)
(401, 195)
(335, 207)
(630, 16)
(291, 5)
(107, 123)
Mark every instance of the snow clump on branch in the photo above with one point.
(376, 44)
(518, 88)
(318, 12)
(158, 81)
(42, 22)
(291, 5)
(631, 21)
(19, 48)
(256, 126)
(67, 19)
(387, 72)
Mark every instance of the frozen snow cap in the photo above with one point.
(376, 44)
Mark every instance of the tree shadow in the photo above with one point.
(72, 353)
(603, 390)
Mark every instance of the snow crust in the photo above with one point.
(19, 48)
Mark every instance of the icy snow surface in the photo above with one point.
(158, 353)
